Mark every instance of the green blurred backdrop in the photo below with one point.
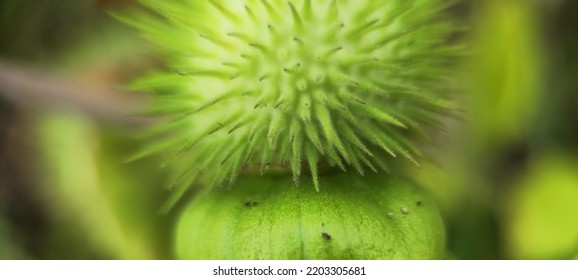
(505, 173)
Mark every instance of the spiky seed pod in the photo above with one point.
(265, 217)
(294, 83)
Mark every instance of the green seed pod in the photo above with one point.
(267, 217)
(255, 83)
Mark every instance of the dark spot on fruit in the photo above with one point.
(326, 236)
(322, 224)
(419, 203)
(251, 203)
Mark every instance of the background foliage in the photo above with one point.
(505, 176)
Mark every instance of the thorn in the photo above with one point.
(258, 46)
(333, 51)
(414, 161)
(219, 126)
(181, 72)
(296, 17)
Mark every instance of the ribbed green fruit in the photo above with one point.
(371, 217)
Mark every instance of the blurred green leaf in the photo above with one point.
(541, 214)
(507, 71)
(114, 207)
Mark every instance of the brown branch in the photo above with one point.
(39, 89)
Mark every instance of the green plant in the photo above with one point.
(286, 86)
(266, 217)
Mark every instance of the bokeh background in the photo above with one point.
(505, 173)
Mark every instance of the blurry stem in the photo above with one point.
(72, 172)
(38, 89)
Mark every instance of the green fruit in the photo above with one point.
(371, 217)
(294, 83)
